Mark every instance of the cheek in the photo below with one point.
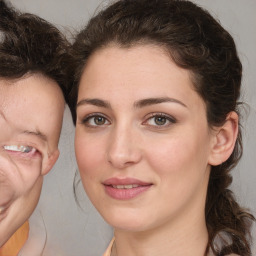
(90, 161)
(17, 176)
(169, 155)
(30, 171)
(179, 160)
(89, 156)
(181, 175)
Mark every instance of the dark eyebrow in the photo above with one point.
(36, 133)
(153, 101)
(94, 102)
(138, 104)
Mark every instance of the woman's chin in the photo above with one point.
(127, 224)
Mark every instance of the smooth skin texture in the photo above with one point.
(31, 113)
(138, 116)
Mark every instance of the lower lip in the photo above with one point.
(125, 194)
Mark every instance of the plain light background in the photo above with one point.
(59, 226)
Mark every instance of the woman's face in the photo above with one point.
(142, 139)
(31, 111)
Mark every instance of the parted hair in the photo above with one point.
(197, 42)
(29, 44)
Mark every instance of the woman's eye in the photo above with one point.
(22, 149)
(95, 120)
(160, 120)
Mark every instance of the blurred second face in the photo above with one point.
(142, 139)
(31, 112)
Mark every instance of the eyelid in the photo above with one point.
(170, 118)
(85, 119)
(21, 149)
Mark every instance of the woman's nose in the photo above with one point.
(124, 148)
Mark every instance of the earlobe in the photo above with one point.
(224, 140)
(50, 162)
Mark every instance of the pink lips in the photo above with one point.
(126, 188)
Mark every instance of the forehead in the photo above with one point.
(148, 69)
(31, 103)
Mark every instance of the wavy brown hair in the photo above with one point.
(197, 42)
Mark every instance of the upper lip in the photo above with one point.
(125, 181)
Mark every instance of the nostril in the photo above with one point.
(123, 161)
(123, 149)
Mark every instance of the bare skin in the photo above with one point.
(144, 150)
(31, 112)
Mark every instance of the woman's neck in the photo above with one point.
(179, 238)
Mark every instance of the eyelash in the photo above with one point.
(167, 119)
(93, 116)
(171, 120)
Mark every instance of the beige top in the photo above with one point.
(108, 251)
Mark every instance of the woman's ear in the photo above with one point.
(224, 140)
(50, 162)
